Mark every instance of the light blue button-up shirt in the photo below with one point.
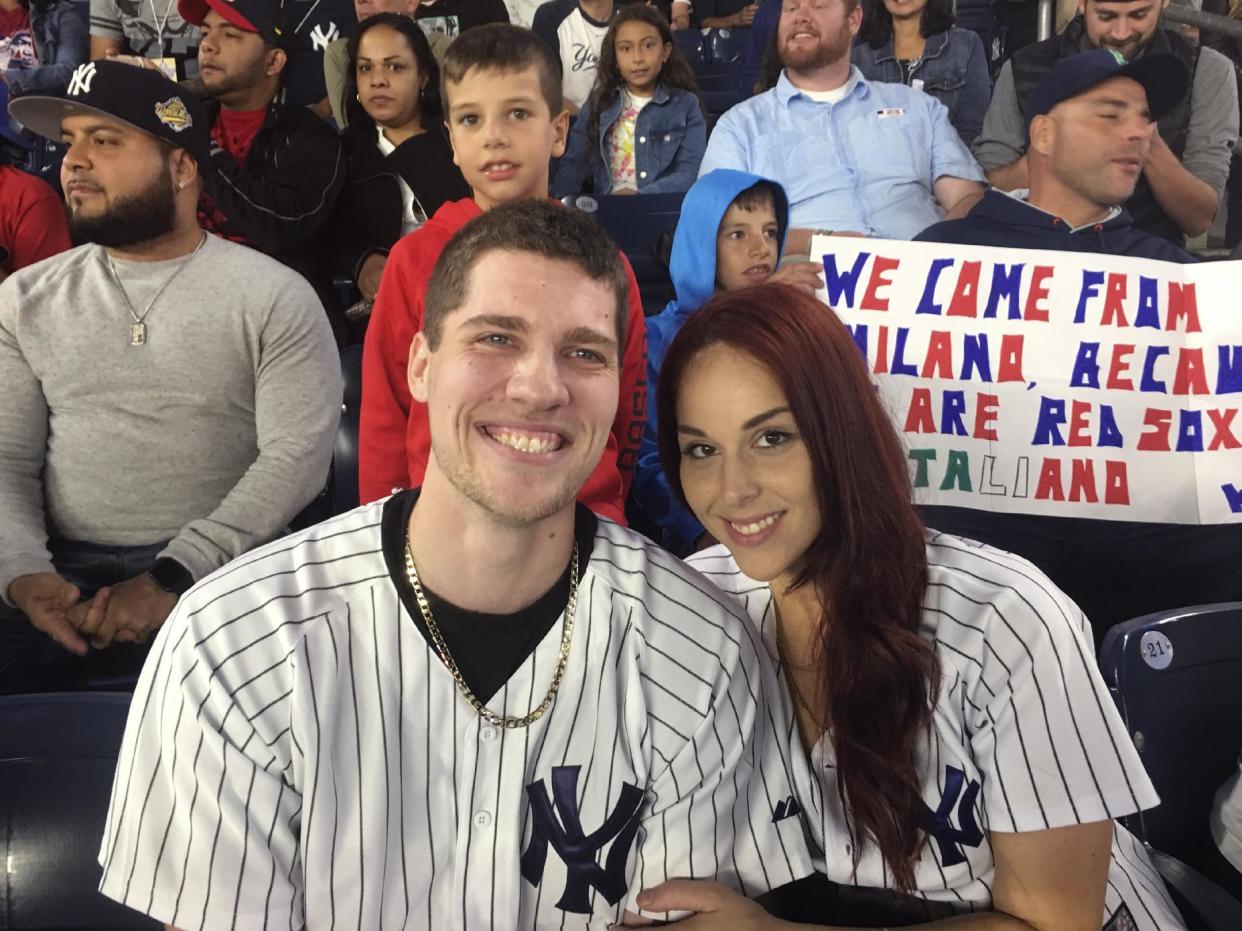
(865, 163)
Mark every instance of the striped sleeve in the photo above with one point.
(1043, 728)
(720, 778)
(202, 829)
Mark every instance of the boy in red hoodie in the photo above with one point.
(502, 101)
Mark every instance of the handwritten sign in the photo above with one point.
(1052, 383)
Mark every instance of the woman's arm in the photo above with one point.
(1051, 880)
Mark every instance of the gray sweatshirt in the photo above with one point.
(213, 435)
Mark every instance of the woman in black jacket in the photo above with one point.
(400, 165)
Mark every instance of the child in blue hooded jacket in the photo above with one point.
(730, 234)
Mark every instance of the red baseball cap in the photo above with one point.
(261, 16)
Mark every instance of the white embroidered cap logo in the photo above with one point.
(321, 37)
(80, 83)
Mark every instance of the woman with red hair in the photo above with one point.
(950, 737)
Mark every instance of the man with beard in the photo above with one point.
(277, 167)
(854, 156)
(471, 704)
(1188, 165)
(170, 398)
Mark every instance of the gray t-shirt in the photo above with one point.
(152, 28)
(213, 435)
(1209, 142)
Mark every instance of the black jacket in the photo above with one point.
(278, 201)
(1001, 220)
(368, 213)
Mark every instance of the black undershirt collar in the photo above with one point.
(488, 648)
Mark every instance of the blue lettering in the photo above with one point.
(1148, 381)
(900, 366)
(1229, 369)
(1086, 369)
(975, 357)
(1149, 307)
(951, 413)
(843, 283)
(1006, 285)
(927, 303)
(1233, 495)
(1048, 426)
(1091, 282)
(1110, 434)
(859, 332)
(1190, 432)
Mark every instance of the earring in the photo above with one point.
(180, 185)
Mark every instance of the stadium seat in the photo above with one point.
(1203, 904)
(635, 222)
(345, 456)
(726, 46)
(1177, 679)
(57, 756)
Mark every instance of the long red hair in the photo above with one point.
(868, 564)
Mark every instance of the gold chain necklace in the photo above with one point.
(445, 657)
(799, 698)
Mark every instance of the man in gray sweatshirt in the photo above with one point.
(170, 398)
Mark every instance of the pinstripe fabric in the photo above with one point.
(297, 754)
(1022, 713)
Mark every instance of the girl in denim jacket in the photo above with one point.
(643, 120)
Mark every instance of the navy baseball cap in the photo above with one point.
(261, 16)
(142, 97)
(1162, 76)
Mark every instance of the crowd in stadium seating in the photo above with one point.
(250, 186)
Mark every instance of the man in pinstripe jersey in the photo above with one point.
(474, 705)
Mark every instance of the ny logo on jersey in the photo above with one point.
(579, 852)
(937, 823)
(80, 82)
(321, 36)
(786, 808)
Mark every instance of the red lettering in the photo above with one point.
(965, 302)
(1119, 368)
(1113, 298)
(1082, 481)
(1183, 307)
(1080, 424)
(1010, 368)
(919, 417)
(1189, 377)
(986, 410)
(1116, 483)
(1157, 438)
(1221, 423)
(939, 361)
(879, 268)
(881, 352)
(1037, 292)
(1049, 486)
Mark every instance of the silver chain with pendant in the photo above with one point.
(138, 329)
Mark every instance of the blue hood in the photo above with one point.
(693, 263)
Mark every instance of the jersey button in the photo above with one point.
(488, 733)
(642, 138)
(642, 174)
(482, 819)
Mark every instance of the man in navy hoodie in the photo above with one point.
(1091, 128)
(1092, 122)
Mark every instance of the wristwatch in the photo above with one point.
(170, 576)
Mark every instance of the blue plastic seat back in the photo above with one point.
(57, 757)
(1177, 678)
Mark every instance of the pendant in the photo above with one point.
(138, 334)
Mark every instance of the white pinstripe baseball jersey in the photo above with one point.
(1025, 736)
(296, 753)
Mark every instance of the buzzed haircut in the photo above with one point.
(540, 227)
(759, 194)
(505, 48)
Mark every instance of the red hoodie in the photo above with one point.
(394, 443)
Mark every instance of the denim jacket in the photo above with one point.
(670, 136)
(61, 44)
(954, 70)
